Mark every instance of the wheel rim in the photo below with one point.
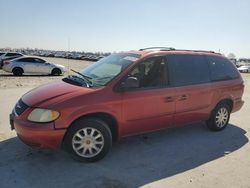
(88, 142)
(56, 72)
(221, 117)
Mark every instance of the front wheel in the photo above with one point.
(88, 140)
(219, 118)
(56, 72)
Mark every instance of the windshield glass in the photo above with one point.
(104, 70)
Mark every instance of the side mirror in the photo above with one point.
(129, 83)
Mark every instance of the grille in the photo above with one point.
(20, 107)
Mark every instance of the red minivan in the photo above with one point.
(126, 94)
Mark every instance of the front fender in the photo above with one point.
(70, 116)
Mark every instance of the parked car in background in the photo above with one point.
(90, 58)
(126, 94)
(32, 65)
(8, 56)
(244, 68)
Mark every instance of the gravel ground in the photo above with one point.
(190, 156)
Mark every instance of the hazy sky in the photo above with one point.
(117, 25)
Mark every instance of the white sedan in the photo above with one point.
(32, 65)
(244, 68)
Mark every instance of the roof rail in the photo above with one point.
(173, 49)
(157, 48)
(208, 51)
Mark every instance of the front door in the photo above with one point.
(150, 106)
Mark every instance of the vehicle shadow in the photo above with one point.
(133, 161)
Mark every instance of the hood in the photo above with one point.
(52, 92)
(63, 68)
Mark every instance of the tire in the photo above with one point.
(56, 72)
(219, 117)
(88, 140)
(17, 71)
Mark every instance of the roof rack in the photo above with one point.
(173, 49)
(208, 51)
(157, 48)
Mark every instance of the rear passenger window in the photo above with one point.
(188, 69)
(25, 60)
(221, 69)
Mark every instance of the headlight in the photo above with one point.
(43, 115)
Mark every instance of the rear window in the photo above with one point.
(221, 69)
(188, 69)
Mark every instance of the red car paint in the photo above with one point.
(134, 112)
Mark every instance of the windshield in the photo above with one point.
(104, 70)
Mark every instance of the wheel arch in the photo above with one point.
(17, 67)
(106, 117)
(56, 68)
(227, 101)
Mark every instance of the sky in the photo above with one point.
(121, 25)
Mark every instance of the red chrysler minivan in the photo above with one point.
(126, 94)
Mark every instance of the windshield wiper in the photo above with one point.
(86, 78)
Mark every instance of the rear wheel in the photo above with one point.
(219, 118)
(17, 71)
(56, 72)
(88, 140)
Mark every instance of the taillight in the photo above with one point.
(6, 62)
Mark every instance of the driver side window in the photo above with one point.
(151, 73)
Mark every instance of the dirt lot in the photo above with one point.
(190, 156)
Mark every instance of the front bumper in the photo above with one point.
(39, 135)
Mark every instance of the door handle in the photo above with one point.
(183, 97)
(169, 99)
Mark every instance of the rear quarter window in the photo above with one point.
(188, 69)
(221, 68)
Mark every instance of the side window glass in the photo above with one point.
(151, 73)
(221, 69)
(188, 69)
(22, 60)
(26, 60)
(38, 61)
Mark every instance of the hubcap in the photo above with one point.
(88, 142)
(221, 117)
